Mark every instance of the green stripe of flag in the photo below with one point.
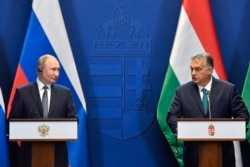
(246, 98)
(170, 84)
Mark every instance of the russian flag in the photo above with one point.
(46, 34)
(4, 154)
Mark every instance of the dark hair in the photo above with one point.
(206, 56)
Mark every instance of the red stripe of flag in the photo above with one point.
(199, 13)
(20, 79)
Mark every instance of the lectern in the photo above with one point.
(42, 133)
(210, 132)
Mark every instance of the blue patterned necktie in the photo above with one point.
(45, 102)
(205, 100)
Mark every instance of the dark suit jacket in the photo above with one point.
(27, 104)
(225, 103)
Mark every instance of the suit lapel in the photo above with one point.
(197, 98)
(215, 88)
(36, 96)
(52, 100)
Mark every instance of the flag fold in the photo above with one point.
(4, 153)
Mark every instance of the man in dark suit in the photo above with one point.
(27, 103)
(225, 102)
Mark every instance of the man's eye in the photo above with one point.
(196, 69)
(54, 69)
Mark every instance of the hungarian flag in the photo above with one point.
(4, 154)
(46, 34)
(246, 98)
(195, 34)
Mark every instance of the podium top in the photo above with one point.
(42, 120)
(214, 129)
(211, 119)
(43, 129)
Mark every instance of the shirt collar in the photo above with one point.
(208, 86)
(41, 85)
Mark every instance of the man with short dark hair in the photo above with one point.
(225, 102)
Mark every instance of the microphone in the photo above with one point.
(209, 105)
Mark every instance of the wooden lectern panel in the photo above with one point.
(43, 154)
(210, 154)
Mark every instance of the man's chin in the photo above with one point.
(195, 81)
(53, 81)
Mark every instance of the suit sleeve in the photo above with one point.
(174, 112)
(16, 106)
(239, 109)
(71, 110)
